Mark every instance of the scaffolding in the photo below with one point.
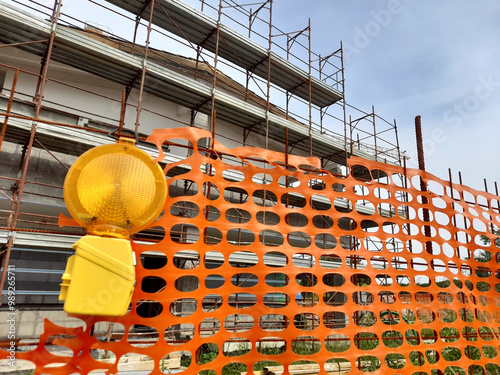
(289, 98)
(306, 99)
(281, 96)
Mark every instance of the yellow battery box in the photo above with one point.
(100, 278)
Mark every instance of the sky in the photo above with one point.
(439, 59)
(436, 59)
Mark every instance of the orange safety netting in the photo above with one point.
(269, 265)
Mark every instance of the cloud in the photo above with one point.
(406, 58)
(430, 58)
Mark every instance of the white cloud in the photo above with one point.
(411, 58)
(432, 60)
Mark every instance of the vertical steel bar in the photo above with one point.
(288, 94)
(454, 219)
(464, 219)
(198, 54)
(122, 112)
(423, 187)
(310, 92)
(269, 62)
(5, 259)
(214, 82)
(134, 38)
(17, 204)
(374, 133)
(420, 146)
(286, 153)
(350, 135)
(45, 62)
(286, 167)
(343, 96)
(405, 185)
(250, 23)
(496, 192)
(214, 117)
(38, 96)
(492, 229)
(397, 142)
(9, 107)
(24, 173)
(321, 115)
(320, 68)
(144, 62)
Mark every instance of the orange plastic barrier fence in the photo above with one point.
(290, 268)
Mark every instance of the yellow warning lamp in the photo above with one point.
(113, 191)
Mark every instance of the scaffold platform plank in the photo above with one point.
(187, 22)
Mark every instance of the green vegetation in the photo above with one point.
(489, 351)
(366, 341)
(412, 337)
(259, 366)
(432, 356)
(185, 360)
(472, 352)
(443, 283)
(428, 335)
(337, 343)
(392, 339)
(308, 345)
(369, 363)
(492, 369)
(272, 351)
(487, 241)
(235, 368)
(451, 354)
(242, 350)
(395, 361)
(207, 353)
(416, 358)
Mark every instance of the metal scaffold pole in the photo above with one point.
(310, 89)
(423, 187)
(214, 82)
(269, 62)
(38, 97)
(144, 67)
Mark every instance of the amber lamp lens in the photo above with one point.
(115, 189)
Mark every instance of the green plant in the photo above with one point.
(432, 356)
(451, 354)
(369, 363)
(207, 353)
(366, 341)
(416, 358)
(308, 345)
(472, 352)
(454, 370)
(242, 350)
(392, 339)
(443, 283)
(492, 369)
(487, 241)
(272, 351)
(164, 366)
(105, 355)
(395, 361)
(234, 369)
(259, 366)
(337, 343)
(185, 360)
